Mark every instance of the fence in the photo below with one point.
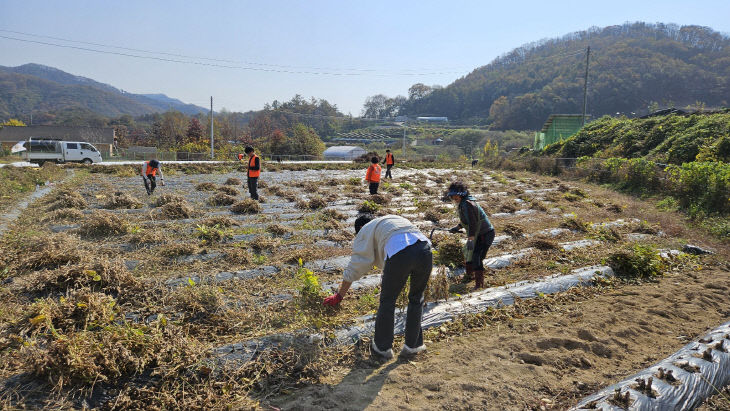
(123, 154)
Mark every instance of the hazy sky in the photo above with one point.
(372, 44)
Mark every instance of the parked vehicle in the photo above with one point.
(40, 151)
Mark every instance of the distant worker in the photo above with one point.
(240, 157)
(372, 176)
(474, 162)
(389, 162)
(254, 171)
(479, 231)
(149, 174)
(397, 246)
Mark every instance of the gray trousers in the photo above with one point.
(416, 262)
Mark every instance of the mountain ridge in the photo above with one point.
(52, 89)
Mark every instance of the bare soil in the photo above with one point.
(548, 360)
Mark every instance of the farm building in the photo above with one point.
(101, 137)
(433, 119)
(558, 127)
(343, 153)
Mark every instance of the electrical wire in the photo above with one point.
(218, 65)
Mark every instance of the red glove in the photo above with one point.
(332, 300)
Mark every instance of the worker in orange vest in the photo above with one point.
(389, 161)
(240, 157)
(254, 171)
(149, 174)
(372, 176)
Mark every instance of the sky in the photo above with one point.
(248, 53)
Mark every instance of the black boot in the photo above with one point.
(478, 279)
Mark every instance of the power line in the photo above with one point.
(199, 63)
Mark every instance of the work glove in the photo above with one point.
(470, 245)
(455, 229)
(332, 300)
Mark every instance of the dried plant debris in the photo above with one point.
(513, 230)
(229, 190)
(102, 223)
(207, 186)
(44, 252)
(543, 244)
(98, 274)
(221, 199)
(66, 199)
(166, 199)
(248, 206)
(64, 214)
(449, 251)
(233, 181)
(278, 229)
(176, 210)
(222, 221)
(123, 200)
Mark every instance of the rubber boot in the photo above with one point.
(468, 275)
(478, 279)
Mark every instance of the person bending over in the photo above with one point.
(149, 174)
(479, 231)
(397, 246)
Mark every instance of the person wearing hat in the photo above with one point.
(398, 247)
(149, 174)
(479, 231)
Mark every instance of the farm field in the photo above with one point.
(195, 297)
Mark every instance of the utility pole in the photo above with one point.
(585, 84)
(212, 154)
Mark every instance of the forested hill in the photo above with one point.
(37, 88)
(633, 66)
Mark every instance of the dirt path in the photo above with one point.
(13, 212)
(549, 360)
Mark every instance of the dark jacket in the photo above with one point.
(473, 217)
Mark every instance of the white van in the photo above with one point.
(40, 151)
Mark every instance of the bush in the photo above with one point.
(639, 262)
(248, 206)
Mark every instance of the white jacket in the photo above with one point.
(368, 247)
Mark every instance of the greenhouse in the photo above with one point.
(343, 153)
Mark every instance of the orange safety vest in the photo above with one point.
(389, 159)
(373, 173)
(252, 163)
(149, 170)
(240, 157)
